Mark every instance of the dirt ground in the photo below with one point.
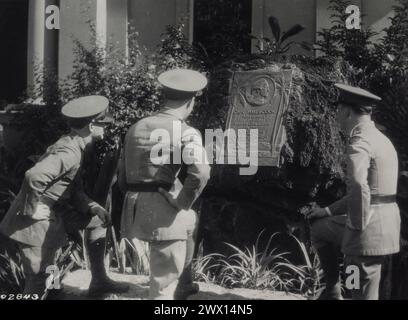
(75, 286)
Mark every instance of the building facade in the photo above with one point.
(26, 41)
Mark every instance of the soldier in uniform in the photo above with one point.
(366, 222)
(52, 203)
(157, 206)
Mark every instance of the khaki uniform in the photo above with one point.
(147, 215)
(366, 222)
(50, 203)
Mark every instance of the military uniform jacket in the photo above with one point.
(50, 188)
(372, 170)
(148, 215)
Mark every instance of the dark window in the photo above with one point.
(222, 28)
(13, 49)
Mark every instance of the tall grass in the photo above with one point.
(261, 269)
(137, 253)
(306, 278)
(11, 271)
(205, 267)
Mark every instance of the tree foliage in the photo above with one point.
(390, 80)
(352, 45)
(279, 45)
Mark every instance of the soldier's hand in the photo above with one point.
(317, 213)
(170, 198)
(102, 214)
(42, 212)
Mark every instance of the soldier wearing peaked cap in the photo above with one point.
(157, 206)
(52, 202)
(366, 222)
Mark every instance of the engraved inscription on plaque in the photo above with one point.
(258, 100)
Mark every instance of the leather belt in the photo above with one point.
(148, 186)
(47, 201)
(383, 199)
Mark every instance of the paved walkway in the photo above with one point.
(76, 285)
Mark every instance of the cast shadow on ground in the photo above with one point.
(137, 292)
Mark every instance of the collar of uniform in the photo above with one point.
(357, 128)
(81, 141)
(172, 114)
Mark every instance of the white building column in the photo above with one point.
(101, 23)
(75, 18)
(185, 15)
(42, 51)
(51, 43)
(35, 48)
(117, 25)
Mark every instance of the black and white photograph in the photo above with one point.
(224, 152)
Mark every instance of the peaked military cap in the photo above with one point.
(356, 97)
(86, 107)
(182, 83)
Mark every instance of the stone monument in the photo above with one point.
(258, 100)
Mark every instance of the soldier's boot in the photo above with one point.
(328, 256)
(101, 284)
(186, 287)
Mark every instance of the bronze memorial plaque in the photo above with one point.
(258, 100)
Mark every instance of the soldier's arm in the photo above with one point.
(80, 200)
(338, 207)
(84, 204)
(44, 172)
(198, 169)
(359, 197)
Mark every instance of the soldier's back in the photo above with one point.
(383, 175)
(150, 147)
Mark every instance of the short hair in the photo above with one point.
(176, 95)
(362, 110)
(79, 123)
(359, 110)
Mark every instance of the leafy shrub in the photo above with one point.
(128, 83)
(381, 66)
(390, 80)
(176, 52)
(352, 45)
